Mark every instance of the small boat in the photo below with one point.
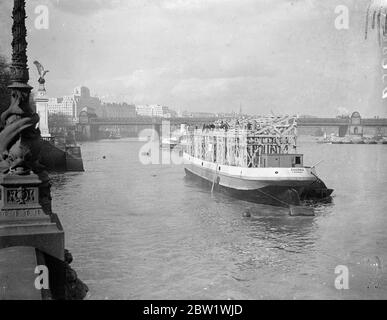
(114, 135)
(370, 141)
(170, 143)
(176, 141)
(357, 139)
(324, 139)
(255, 160)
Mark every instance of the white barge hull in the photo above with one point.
(258, 183)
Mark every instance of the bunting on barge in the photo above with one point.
(253, 159)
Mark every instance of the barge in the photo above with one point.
(255, 160)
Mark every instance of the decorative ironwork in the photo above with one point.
(19, 69)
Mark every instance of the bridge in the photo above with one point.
(302, 122)
(151, 121)
(307, 122)
(92, 127)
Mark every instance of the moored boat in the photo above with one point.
(169, 143)
(114, 135)
(370, 141)
(254, 159)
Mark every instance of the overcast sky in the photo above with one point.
(208, 55)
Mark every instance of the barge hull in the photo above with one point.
(280, 192)
(274, 196)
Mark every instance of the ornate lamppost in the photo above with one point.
(26, 217)
(19, 140)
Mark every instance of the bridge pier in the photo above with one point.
(343, 130)
(88, 132)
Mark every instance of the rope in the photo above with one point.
(275, 198)
(213, 182)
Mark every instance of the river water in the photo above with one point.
(147, 232)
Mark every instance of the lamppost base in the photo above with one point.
(26, 218)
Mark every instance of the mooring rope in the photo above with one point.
(275, 198)
(213, 182)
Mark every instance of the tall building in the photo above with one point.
(65, 105)
(72, 105)
(83, 99)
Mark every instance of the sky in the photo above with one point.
(278, 56)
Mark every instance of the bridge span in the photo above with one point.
(93, 128)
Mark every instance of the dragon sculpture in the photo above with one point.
(20, 139)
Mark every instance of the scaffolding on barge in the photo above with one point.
(246, 142)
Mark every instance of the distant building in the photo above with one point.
(116, 111)
(228, 115)
(64, 105)
(144, 111)
(199, 115)
(72, 105)
(154, 110)
(184, 114)
(84, 100)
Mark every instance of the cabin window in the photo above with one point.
(298, 160)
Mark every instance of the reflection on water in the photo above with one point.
(147, 232)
